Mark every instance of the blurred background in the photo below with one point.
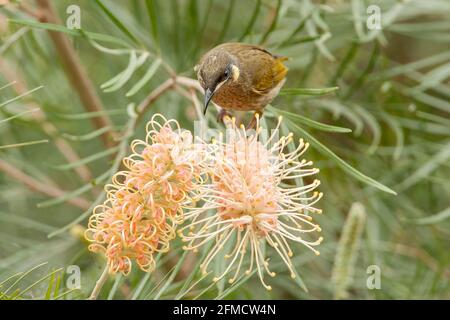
(79, 79)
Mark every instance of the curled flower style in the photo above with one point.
(255, 201)
(145, 202)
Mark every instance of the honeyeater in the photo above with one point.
(239, 76)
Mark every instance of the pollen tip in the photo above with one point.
(293, 276)
(269, 288)
(231, 280)
(215, 279)
(273, 274)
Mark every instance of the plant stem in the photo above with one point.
(77, 73)
(38, 186)
(167, 85)
(100, 282)
(152, 97)
(49, 128)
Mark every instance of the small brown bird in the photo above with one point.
(238, 76)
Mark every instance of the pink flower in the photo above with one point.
(145, 202)
(255, 201)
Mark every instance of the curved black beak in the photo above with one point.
(208, 95)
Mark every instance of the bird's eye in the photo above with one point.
(227, 73)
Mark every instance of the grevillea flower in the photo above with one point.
(255, 201)
(145, 202)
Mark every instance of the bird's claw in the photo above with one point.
(222, 114)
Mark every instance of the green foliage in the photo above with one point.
(373, 104)
(15, 287)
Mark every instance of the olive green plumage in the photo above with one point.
(238, 76)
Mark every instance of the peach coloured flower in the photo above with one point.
(145, 202)
(255, 201)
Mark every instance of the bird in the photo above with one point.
(240, 76)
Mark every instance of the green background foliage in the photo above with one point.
(385, 128)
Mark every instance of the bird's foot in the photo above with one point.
(222, 114)
(253, 123)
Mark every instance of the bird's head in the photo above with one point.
(215, 70)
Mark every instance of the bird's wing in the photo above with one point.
(268, 78)
(266, 69)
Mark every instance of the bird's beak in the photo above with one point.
(208, 95)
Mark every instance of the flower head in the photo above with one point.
(145, 202)
(256, 201)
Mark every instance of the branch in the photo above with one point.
(76, 72)
(65, 148)
(188, 82)
(38, 186)
(152, 97)
(29, 10)
(100, 282)
(161, 89)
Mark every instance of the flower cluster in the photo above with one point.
(145, 202)
(255, 200)
(245, 193)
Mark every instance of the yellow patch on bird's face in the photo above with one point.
(234, 72)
